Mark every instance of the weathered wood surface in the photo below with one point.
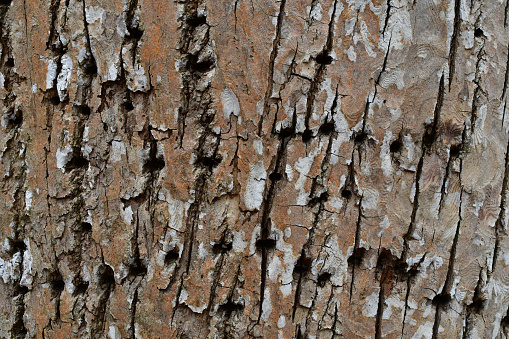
(236, 168)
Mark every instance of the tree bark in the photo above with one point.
(235, 168)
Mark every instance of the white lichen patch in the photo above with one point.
(64, 76)
(384, 224)
(202, 251)
(281, 322)
(238, 242)
(303, 166)
(230, 103)
(258, 146)
(369, 199)
(94, 14)
(140, 80)
(11, 270)
(27, 275)
(177, 209)
(118, 149)
(63, 156)
(435, 261)
(350, 53)
(426, 331)
(28, 200)
(393, 302)
(370, 305)
(51, 74)
(253, 196)
(385, 154)
(126, 213)
(399, 27)
(266, 306)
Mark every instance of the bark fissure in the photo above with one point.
(499, 224)
(443, 298)
(265, 243)
(454, 41)
(271, 66)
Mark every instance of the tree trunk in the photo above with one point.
(254, 168)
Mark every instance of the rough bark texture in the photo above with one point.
(254, 168)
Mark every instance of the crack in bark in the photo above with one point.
(454, 40)
(506, 79)
(264, 243)
(475, 307)
(322, 59)
(272, 62)
(358, 252)
(445, 297)
(499, 224)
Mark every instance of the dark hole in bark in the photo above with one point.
(323, 197)
(83, 109)
(9, 62)
(346, 193)
(274, 176)
(360, 137)
(86, 226)
(265, 243)
(395, 146)
(54, 99)
(200, 66)
(128, 106)
(231, 306)
(357, 256)
(455, 151)
(90, 66)
(441, 299)
(135, 32)
(327, 128)
(154, 163)
(323, 278)
(323, 58)
(137, 267)
(222, 247)
(303, 264)
(106, 276)
(209, 161)
(77, 161)
(56, 282)
(14, 117)
(171, 256)
(286, 132)
(81, 287)
(16, 245)
(196, 21)
(307, 135)
(478, 32)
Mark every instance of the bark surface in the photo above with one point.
(254, 168)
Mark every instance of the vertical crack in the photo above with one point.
(499, 224)
(322, 59)
(272, 62)
(265, 243)
(477, 304)
(196, 61)
(506, 78)
(132, 329)
(454, 40)
(358, 253)
(443, 298)
(387, 16)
